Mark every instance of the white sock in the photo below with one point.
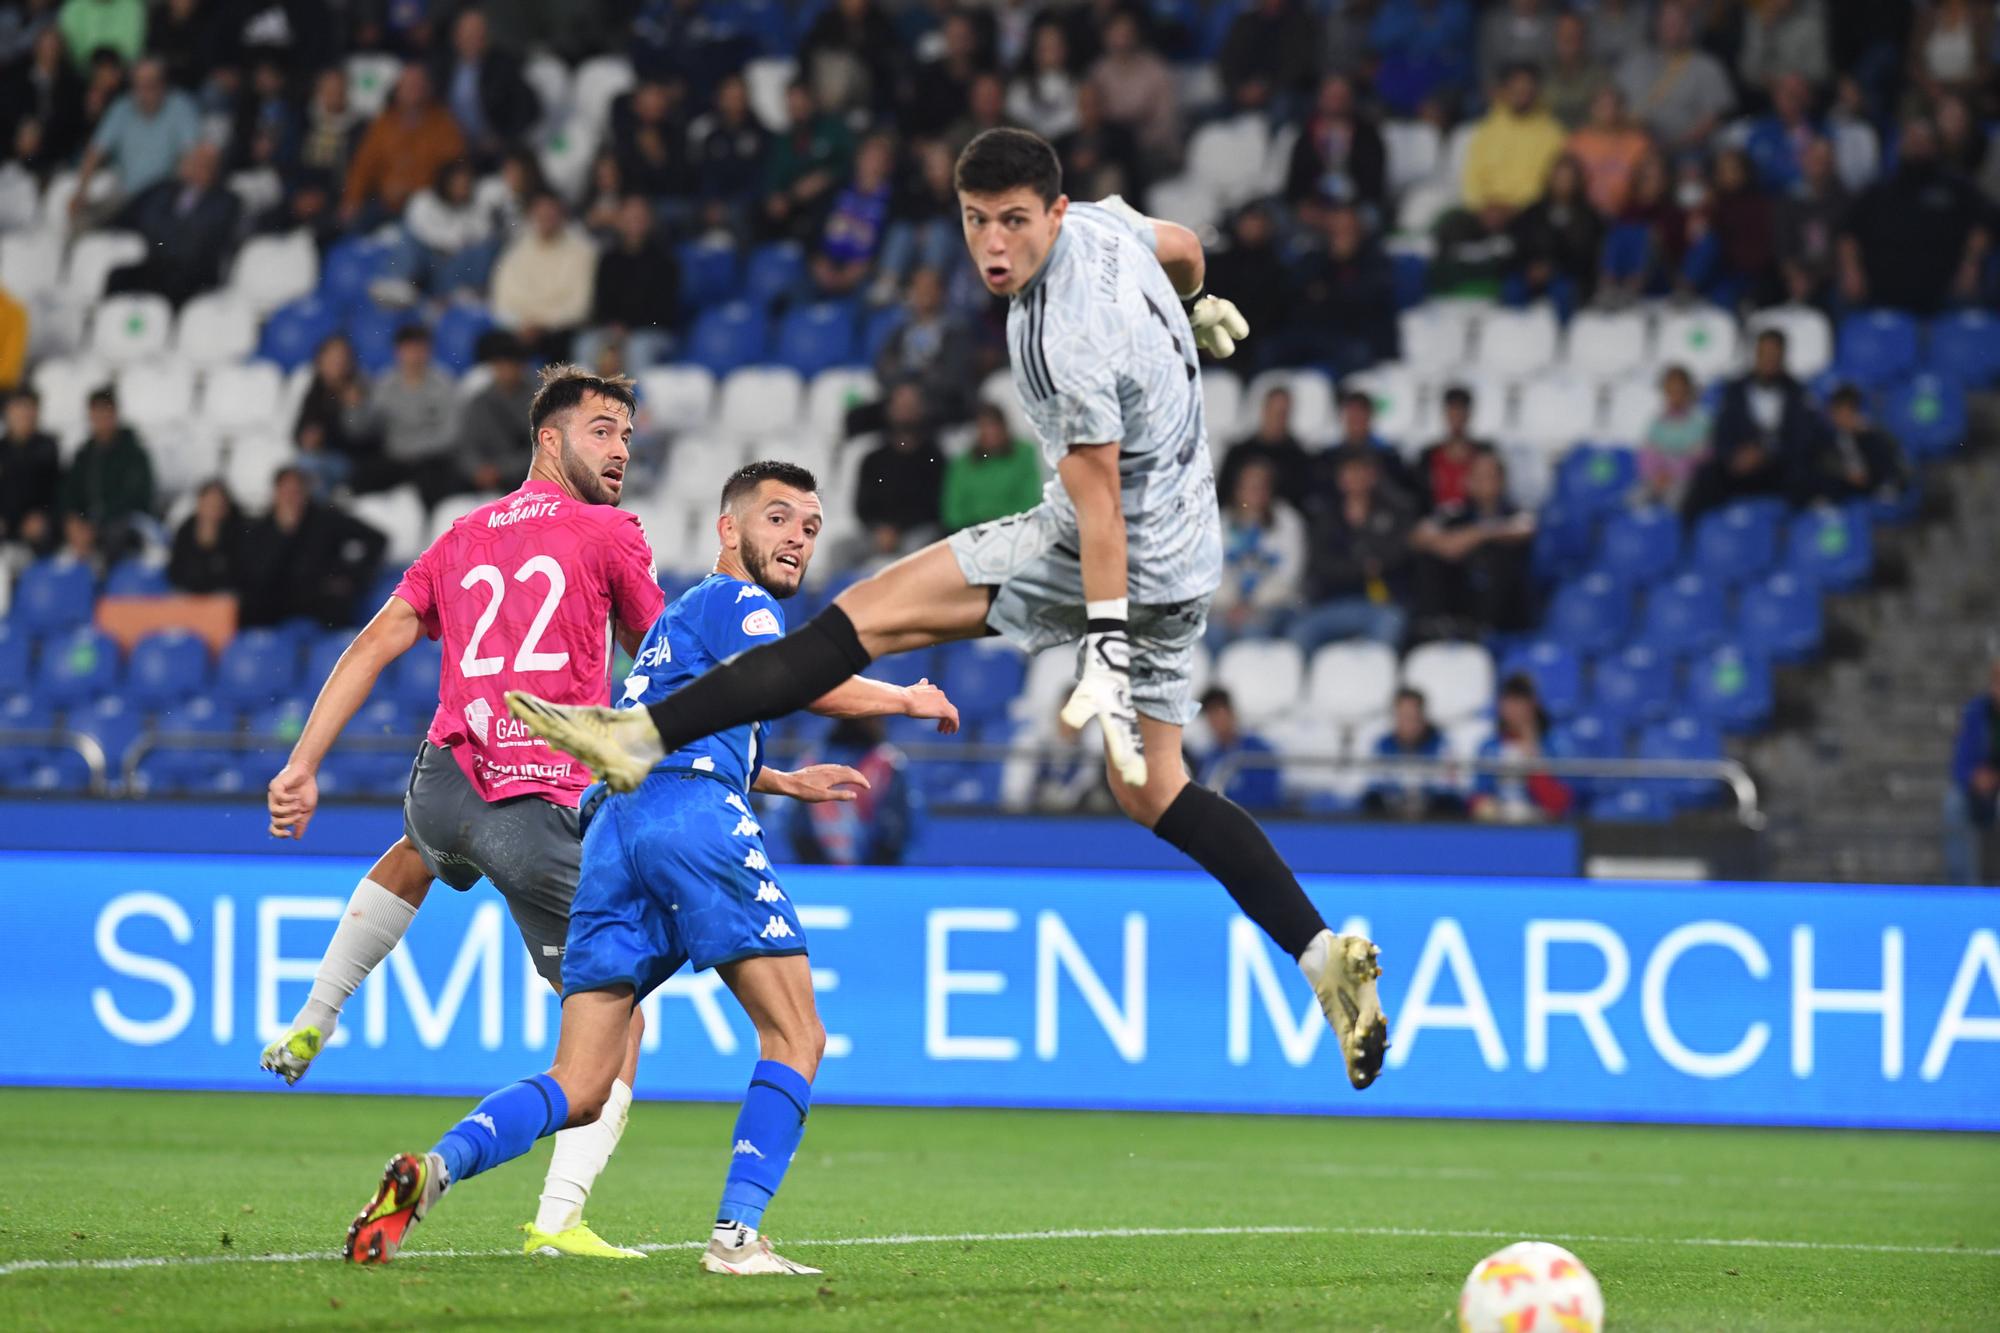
(733, 1235)
(369, 928)
(580, 1157)
(1313, 961)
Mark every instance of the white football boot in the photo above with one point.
(753, 1258)
(1342, 970)
(619, 745)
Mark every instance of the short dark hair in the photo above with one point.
(1414, 695)
(1216, 694)
(103, 396)
(564, 385)
(997, 161)
(746, 478)
(1515, 68)
(1458, 396)
(25, 394)
(1354, 397)
(1520, 685)
(412, 332)
(1848, 395)
(1776, 333)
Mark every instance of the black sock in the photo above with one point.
(767, 682)
(1226, 842)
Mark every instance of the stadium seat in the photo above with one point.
(135, 576)
(1683, 738)
(1590, 615)
(1641, 543)
(166, 665)
(157, 397)
(416, 683)
(676, 398)
(1590, 735)
(242, 396)
(1876, 347)
(294, 332)
(1221, 404)
(1607, 344)
(322, 653)
(1779, 617)
(982, 676)
(1731, 688)
(1556, 671)
(599, 82)
(1831, 547)
(1351, 681)
(1263, 676)
(833, 394)
(214, 330)
(372, 330)
(1630, 407)
(877, 327)
(371, 77)
(1594, 479)
(1411, 149)
(1964, 346)
(1184, 199)
(1737, 542)
(1927, 414)
(398, 515)
(76, 666)
(256, 668)
(817, 337)
(1557, 411)
(727, 337)
(1684, 615)
(708, 275)
(349, 268)
(1519, 343)
(776, 275)
(1636, 683)
(1631, 803)
(1392, 386)
(1808, 337)
(455, 336)
(271, 271)
(114, 721)
(1314, 421)
(1701, 338)
(31, 262)
(94, 256)
(53, 594)
(130, 328)
(760, 400)
(64, 384)
(1227, 156)
(1456, 680)
(17, 655)
(1436, 336)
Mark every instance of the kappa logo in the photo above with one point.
(745, 1148)
(735, 802)
(485, 1121)
(746, 827)
(635, 687)
(761, 621)
(756, 860)
(479, 716)
(767, 892)
(777, 928)
(750, 590)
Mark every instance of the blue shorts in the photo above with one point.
(674, 873)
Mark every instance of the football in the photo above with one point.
(1530, 1287)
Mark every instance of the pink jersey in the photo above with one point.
(520, 591)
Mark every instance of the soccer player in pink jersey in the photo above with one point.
(519, 591)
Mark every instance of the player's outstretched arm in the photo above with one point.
(813, 784)
(1089, 472)
(294, 794)
(859, 696)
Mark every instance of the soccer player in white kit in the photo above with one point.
(1106, 313)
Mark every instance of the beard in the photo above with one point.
(584, 480)
(757, 564)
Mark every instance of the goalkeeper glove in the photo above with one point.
(1104, 691)
(1218, 325)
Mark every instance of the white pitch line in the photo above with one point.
(1001, 1237)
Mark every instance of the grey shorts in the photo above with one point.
(1038, 603)
(530, 848)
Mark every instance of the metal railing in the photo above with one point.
(61, 738)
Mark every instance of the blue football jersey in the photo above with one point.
(706, 626)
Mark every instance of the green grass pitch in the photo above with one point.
(1685, 1228)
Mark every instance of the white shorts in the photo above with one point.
(1034, 569)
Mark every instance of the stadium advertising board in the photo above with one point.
(1543, 998)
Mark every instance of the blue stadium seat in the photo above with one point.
(366, 773)
(134, 577)
(1731, 688)
(1640, 544)
(1686, 614)
(322, 653)
(878, 326)
(1779, 617)
(387, 719)
(1965, 346)
(181, 768)
(1556, 670)
(257, 667)
(1683, 738)
(905, 668)
(1876, 347)
(114, 722)
(1632, 803)
(347, 268)
(1833, 547)
(416, 684)
(294, 332)
(1636, 682)
(1596, 478)
(775, 275)
(455, 336)
(1410, 278)
(372, 330)
(728, 337)
(1927, 413)
(1594, 736)
(981, 681)
(1592, 614)
(17, 654)
(165, 665)
(277, 726)
(708, 276)
(50, 769)
(1565, 540)
(1739, 541)
(53, 594)
(817, 337)
(377, 592)
(79, 665)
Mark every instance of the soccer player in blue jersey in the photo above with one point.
(676, 873)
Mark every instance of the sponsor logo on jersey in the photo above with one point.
(635, 687)
(517, 511)
(761, 621)
(777, 928)
(478, 716)
(657, 653)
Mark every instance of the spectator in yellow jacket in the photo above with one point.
(1513, 148)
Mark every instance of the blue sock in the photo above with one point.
(503, 1126)
(768, 1131)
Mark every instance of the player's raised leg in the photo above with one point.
(589, 1054)
(377, 914)
(776, 992)
(1222, 838)
(920, 600)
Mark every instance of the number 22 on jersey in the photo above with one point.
(528, 657)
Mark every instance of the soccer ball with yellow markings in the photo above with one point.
(1530, 1287)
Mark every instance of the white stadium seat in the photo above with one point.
(1398, 394)
(832, 393)
(766, 79)
(129, 328)
(1463, 738)
(1492, 404)
(20, 199)
(1456, 680)
(94, 255)
(215, 329)
(1186, 200)
(156, 393)
(185, 454)
(1051, 674)
(65, 384)
(760, 400)
(271, 270)
(1263, 677)
(449, 510)
(1702, 338)
(599, 82)
(1557, 410)
(1351, 681)
(567, 151)
(1629, 409)
(1412, 149)
(673, 399)
(1530, 472)
(1607, 344)
(1314, 418)
(30, 262)
(1808, 337)
(250, 463)
(697, 465)
(549, 77)
(371, 77)
(398, 515)
(1519, 343)
(1438, 335)
(1221, 406)
(244, 397)
(998, 389)
(1228, 157)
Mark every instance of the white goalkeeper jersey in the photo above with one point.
(1102, 354)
